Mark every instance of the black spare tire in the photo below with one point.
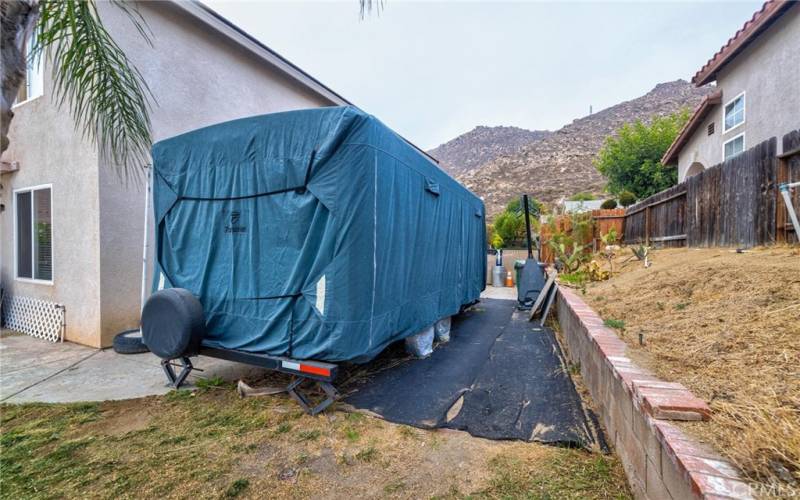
(173, 324)
(129, 342)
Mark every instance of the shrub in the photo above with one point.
(497, 242)
(582, 197)
(609, 204)
(569, 246)
(631, 159)
(626, 198)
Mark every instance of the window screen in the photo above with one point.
(734, 147)
(43, 252)
(734, 113)
(33, 86)
(34, 235)
(24, 240)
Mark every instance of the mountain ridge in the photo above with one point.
(480, 145)
(560, 163)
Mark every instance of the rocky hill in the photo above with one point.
(560, 164)
(482, 144)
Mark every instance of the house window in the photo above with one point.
(733, 147)
(34, 233)
(734, 112)
(33, 86)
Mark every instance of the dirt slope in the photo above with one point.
(727, 326)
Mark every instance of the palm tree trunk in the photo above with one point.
(17, 19)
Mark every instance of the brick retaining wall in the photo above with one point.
(661, 462)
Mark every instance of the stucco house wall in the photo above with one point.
(44, 142)
(198, 76)
(768, 72)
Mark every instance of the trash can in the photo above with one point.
(518, 265)
(498, 276)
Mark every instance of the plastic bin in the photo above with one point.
(518, 265)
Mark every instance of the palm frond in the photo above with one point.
(106, 95)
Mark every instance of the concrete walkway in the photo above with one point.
(35, 370)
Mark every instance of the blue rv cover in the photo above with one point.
(314, 234)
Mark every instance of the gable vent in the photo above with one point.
(711, 128)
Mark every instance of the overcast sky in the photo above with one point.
(433, 71)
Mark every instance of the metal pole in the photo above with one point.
(147, 169)
(527, 224)
(784, 188)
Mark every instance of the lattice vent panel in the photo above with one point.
(35, 317)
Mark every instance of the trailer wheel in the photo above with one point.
(129, 342)
(172, 323)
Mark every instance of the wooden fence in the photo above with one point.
(601, 223)
(735, 203)
(788, 171)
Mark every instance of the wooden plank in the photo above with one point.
(550, 299)
(659, 202)
(669, 238)
(543, 294)
(790, 153)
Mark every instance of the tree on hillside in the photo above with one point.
(631, 160)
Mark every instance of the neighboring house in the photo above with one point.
(757, 97)
(72, 228)
(575, 207)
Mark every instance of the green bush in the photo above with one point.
(609, 204)
(582, 197)
(631, 159)
(626, 198)
(510, 223)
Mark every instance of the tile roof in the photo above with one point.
(760, 21)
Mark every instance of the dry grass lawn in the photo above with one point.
(211, 444)
(726, 325)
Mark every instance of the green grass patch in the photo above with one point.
(614, 323)
(236, 488)
(311, 435)
(578, 278)
(351, 434)
(575, 474)
(209, 383)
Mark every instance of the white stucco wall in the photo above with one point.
(198, 77)
(44, 142)
(768, 72)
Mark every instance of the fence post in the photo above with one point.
(781, 208)
(647, 226)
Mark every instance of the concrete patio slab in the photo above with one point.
(35, 370)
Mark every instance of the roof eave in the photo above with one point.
(702, 110)
(760, 22)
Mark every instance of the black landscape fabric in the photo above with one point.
(420, 391)
(509, 371)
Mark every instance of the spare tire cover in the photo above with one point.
(173, 324)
